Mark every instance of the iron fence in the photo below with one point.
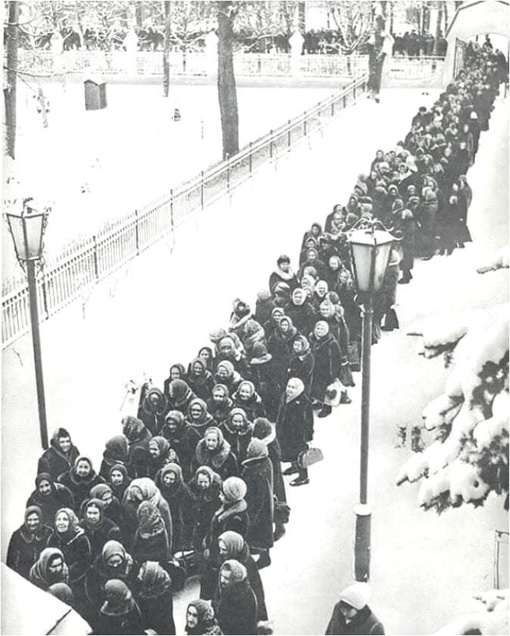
(76, 270)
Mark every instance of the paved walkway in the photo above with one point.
(159, 311)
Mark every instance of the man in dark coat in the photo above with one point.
(60, 456)
(351, 615)
(258, 476)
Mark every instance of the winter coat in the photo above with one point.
(183, 440)
(201, 385)
(303, 316)
(281, 277)
(179, 499)
(238, 441)
(302, 367)
(236, 609)
(153, 548)
(75, 547)
(294, 426)
(204, 505)
(365, 622)
(153, 415)
(80, 488)
(100, 572)
(219, 411)
(24, 548)
(54, 462)
(105, 531)
(253, 407)
(59, 497)
(268, 386)
(221, 460)
(328, 358)
(258, 476)
(157, 611)
(126, 623)
(116, 452)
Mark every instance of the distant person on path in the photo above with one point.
(351, 615)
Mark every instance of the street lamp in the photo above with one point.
(370, 249)
(27, 229)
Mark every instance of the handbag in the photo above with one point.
(345, 375)
(353, 355)
(281, 511)
(309, 457)
(333, 394)
(390, 321)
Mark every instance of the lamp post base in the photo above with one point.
(362, 548)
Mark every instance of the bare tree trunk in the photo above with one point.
(446, 17)
(12, 79)
(227, 92)
(438, 28)
(166, 49)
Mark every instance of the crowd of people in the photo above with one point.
(194, 482)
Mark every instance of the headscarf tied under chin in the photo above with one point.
(155, 581)
(297, 391)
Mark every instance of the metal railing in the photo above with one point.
(118, 63)
(75, 271)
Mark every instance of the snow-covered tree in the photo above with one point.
(469, 421)
(492, 618)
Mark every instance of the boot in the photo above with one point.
(302, 479)
(279, 531)
(344, 398)
(264, 560)
(291, 470)
(325, 411)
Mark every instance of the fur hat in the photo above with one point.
(234, 489)
(356, 595)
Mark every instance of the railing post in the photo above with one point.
(172, 209)
(228, 174)
(288, 135)
(305, 122)
(44, 295)
(332, 109)
(96, 263)
(137, 234)
(344, 100)
(354, 92)
(250, 157)
(271, 144)
(202, 189)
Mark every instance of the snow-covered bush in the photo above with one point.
(469, 421)
(491, 619)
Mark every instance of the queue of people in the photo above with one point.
(195, 483)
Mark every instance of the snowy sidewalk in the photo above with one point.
(160, 309)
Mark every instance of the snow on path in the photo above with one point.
(160, 310)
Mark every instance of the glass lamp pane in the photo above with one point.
(16, 226)
(363, 243)
(34, 224)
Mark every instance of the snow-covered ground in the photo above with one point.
(100, 165)
(159, 311)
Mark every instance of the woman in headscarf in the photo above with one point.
(233, 546)
(264, 430)
(264, 306)
(228, 352)
(176, 372)
(138, 437)
(50, 568)
(328, 358)
(280, 347)
(98, 528)
(180, 396)
(200, 379)
(154, 597)
(153, 409)
(182, 439)
(258, 475)
(207, 354)
(228, 376)
(319, 294)
(118, 480)
(113, 563)
(112, 508)
(282, 274)
(265, 379)
(241, 313)
(205, 488)
(200, 619)
(178, 496)
(311, 242)
(60, 456)
(247, 398)
(300, 311)
(302, 362)
(80, 479)
(271, 326)
(49, 497)
(312, 258)
(314, 232)
(214, 451)
(237, 430)
(427, 212)
(219, 404)
(27, 542)
(151, 539)
(119, 613)
(234, 602)
(115, 452)
(232, 515)
(334, 267)
(161, 453)
(198, 419)
(294, 428)
(68, 537)
(144, 489)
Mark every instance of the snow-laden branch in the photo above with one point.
(498, 260)
(493, 619)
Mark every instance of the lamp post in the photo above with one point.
(27, 229)
(370, 249)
